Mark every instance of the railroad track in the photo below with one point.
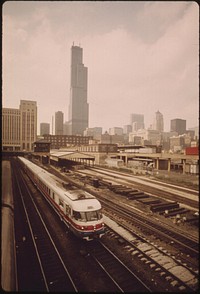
(158, 262)
(187, 245)
(148, 186)
(104, 171)
(125, 279)
(185, 286)
(54, 274)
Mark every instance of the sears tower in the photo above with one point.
(78, 107)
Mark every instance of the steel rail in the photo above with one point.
(125, 279)
(142, 219)
(49, 236)
(142, 255)
(31, 232)
(131, 176)
(144, 240)
(146, 223)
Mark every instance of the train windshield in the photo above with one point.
(87, 216)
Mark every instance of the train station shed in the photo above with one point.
(65, 158)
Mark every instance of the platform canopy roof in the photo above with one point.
(70, 155)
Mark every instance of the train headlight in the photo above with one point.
(82, 228)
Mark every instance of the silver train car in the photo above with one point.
(79, 210)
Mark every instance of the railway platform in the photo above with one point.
(8, 265)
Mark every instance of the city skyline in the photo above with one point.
(141, 56)
(78, 107)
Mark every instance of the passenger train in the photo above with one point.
(79, 210)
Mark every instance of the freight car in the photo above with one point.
(79, 210)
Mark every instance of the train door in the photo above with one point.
(61, 204)
(67, 209)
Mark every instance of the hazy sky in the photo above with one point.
(141, 57)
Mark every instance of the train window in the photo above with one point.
(67, 209)
(79, 216)
(53, 195)
(93, 215)
(87, 216)
(61, 203)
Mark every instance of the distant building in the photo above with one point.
(113, 139)
(99, 148)
(78, 107)
(28, 124)
(188, 137)
(137, 121)
(190, 133)
(177, 143)
(11, 134)
(118, 139)
(95, 132)
(116, 131)
(66, 128)
(178, 125)
(41, 146)
(62, 141)
(165, 139)
(19, 126)
(196, 130)
(127, 129)
(146, 137)
(105, 138)
(158, 124)
(59, 119)
(137, 140)
(44, 129)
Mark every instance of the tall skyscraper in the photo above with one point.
(137, 121)
(158, 124)
(44, 129)
(78, 107)
(178, 125)
(28, 128)
(59, 120)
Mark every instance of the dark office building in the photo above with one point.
(41, 146)
(78, 107)
(137, 121)
(44, 129)
(178, 125)
(59, 123)
(62, 141)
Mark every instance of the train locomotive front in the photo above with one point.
(79, 210)
(86, 215)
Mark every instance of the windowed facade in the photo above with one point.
(19, 127)
(78, 107)
(28, 110)
(59, 141)
(11, 129)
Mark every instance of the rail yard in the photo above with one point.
(150, 241)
